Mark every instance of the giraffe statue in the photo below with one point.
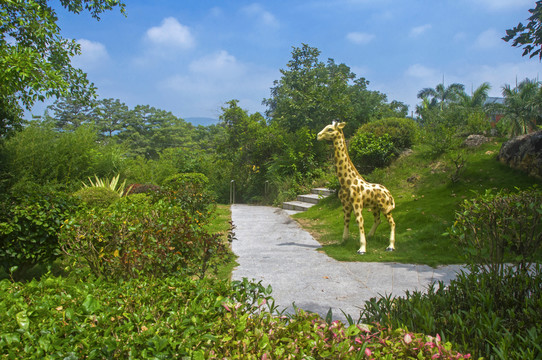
(355, 192)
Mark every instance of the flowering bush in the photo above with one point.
(136, 236)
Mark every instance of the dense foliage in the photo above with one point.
(97, 196)
(175, 317)
(369, 151)
(29, 228)
(137, 236)
(501, 228)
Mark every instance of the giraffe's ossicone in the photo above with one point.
(356, 193)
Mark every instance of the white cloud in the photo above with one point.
(419, 30)
(359, 37)
(220, 64)
(490, 38)
(93, 54)
(211, 81)
(262, 16)
(421, 72)
(171, 34)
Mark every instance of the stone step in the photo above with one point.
(310, 198)
(323, 191)
(306, 201)
(296, 205)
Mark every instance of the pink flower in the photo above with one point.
(407, 339)
(226, 307)
(438, 338)
(358, 340)
(368, 352)
(436, 356)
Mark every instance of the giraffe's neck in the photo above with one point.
(343, 165)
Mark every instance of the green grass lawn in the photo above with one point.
(426, 202)
(220, 223)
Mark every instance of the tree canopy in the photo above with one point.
(35, 60)
(528, 36)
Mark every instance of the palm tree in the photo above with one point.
(477, 99)
(442, 95)
(522, 106)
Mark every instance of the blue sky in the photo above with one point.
(190, 57)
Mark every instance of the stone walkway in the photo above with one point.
(273, 249)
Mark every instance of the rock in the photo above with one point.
(413, 179)
(475, 140)
(523, 153)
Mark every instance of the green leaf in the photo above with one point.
(22, 320)
(91, 305)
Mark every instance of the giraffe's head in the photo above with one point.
(331, 132)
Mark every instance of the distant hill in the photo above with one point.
(204, 121)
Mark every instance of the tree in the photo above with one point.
(110, 117)
(147, 131)
(442, 95)
(529, 36)
(477, 99)
(68, 113)
(310, 93)
(522, 106)
(35, 60)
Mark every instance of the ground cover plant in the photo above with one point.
(426, 200)
(175, 317)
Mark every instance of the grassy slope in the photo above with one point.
(425, 207)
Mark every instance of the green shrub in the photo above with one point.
(477, 123)
(142, 189)
(180, 318)
(29, 228)
(190, 192)
(369, 151)
(97, 196)
(468, 313)
(402, 132)
(499, 228)
(135, 237)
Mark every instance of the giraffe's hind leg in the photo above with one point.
(376, 223)
(362, 240)
(391, 247)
